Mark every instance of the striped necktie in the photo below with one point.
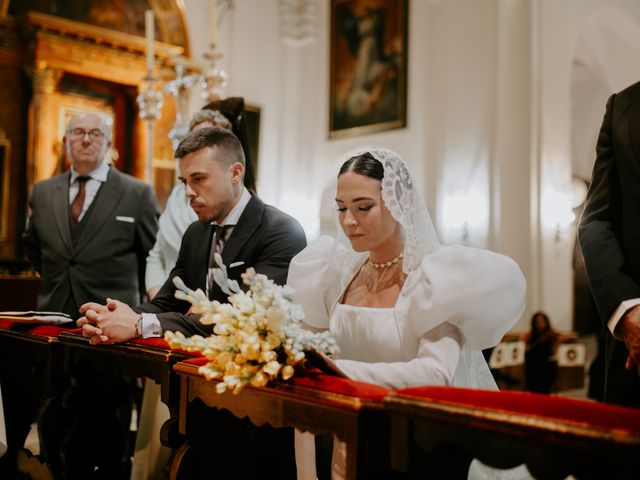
(78, 201)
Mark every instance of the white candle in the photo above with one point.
(149, 27)
(213, 22)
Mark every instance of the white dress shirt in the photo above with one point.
(620, 312)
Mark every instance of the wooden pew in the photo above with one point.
(554, 436)
(315, 403)
(151, 358)
(25, 349)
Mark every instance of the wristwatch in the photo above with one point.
(139, 326)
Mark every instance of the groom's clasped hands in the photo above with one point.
(110, 323)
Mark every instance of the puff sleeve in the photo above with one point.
(482, 293)
(316, 278)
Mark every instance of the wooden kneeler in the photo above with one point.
(311, 402)
(554, 436)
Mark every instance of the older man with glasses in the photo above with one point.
(88, 236)
(90, 228)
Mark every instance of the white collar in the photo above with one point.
(236, 211)
(99, 173)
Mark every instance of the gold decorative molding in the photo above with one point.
(44, 78)
(104, 36)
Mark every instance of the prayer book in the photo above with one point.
(53, 318)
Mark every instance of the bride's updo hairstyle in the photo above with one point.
(364, 164)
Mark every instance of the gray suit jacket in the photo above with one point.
(104, 255)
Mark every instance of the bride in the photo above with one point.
(405, 310)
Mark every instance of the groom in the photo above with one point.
(246, 233)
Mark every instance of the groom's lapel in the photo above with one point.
(247, 225)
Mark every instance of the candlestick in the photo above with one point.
(180, 88)
(150, 102)
(213, 19)
(149, 28)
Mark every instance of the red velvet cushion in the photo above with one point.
(598, 415)
(342, 386)
(157, 342)
(327, 383)
(51, 330)
(44, 330)
(199, 361)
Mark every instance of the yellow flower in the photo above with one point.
(287, 372)
(272, 368)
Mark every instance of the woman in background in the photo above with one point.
(540, 366)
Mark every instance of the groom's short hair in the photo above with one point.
(225, 141)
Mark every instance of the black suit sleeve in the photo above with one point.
(171, 312)
(286, 240)
(600, 226)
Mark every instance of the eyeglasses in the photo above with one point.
(79, 133)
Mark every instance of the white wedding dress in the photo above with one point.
(458, 301)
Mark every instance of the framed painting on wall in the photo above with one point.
(368, 66)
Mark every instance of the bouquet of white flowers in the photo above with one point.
(257, 336)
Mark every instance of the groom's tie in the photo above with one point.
(217, 243)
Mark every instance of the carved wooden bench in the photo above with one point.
(554, 436)
(316, 403)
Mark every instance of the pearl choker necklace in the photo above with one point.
(387, 264)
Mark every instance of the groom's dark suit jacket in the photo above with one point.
(264, 238)
(104, 255)
(609, 231)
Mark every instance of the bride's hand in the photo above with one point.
(324, 363)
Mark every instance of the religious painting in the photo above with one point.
(368, 71)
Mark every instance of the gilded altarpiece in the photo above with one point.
(52, 67)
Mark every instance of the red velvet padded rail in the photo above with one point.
(343, 386)
(157, 342)
(597, 415)
(327, 383)
(44, 330)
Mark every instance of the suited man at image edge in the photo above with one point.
(101, 253)
(609, 235)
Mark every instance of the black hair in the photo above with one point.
(364, 164)
(224, 140)
(534, 330)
